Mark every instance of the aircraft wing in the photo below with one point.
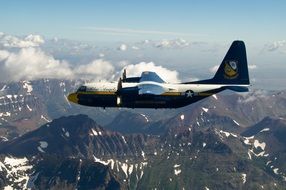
(150, 89)
(150, 76)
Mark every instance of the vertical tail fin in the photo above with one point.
(233, 69)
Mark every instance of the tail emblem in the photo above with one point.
(230, 69)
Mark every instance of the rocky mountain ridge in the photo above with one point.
(29, 104)
(183, 157)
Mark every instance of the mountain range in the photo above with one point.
(228, 141)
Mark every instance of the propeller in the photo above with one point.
(124, 75)
(119, 84)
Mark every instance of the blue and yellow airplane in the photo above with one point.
(150, 91)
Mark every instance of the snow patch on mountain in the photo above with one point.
(130, 169)
(30, 109)
(236, 122)
(177, 169)
(63, 85)
(93, 132)
(6, 114)
(100, 161)
(205, 109)
(177, 165)
(215, 96)
(275, 170)
(254, 143)
(43, 145)
(247, 140)
(44, 118)
(265, 129)
(67, 134)
(27, 85)
(204, 144)
(17, 171)
(258, 144)
(124, 139)
(3, 88)
(146, 118)
(125, 167)
(143, 154)
(243, 176)
(227, 134)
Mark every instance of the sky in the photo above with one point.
(184, 39)
(91, 20)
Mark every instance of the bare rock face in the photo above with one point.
(75, 152)
(226, 141)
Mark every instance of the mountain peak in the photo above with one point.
(266, 124)
(71, 136)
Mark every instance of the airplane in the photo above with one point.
(150, 91)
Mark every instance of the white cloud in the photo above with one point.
(122, 47)
(145, 42)
(98, 69)
(172, 43)
(135, 48)
(123, 63)
(24, 59)
(32, 63)
(277, 45)
(37, 39)
(166, 74)
(17, 42)
(3, 54)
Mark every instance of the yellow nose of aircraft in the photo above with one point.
(73, 98)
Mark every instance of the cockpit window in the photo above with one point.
(82, 89)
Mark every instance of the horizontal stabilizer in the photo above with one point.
(237, 88)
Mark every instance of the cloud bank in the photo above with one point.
(166, 74)
(176, 43)
(24, 59)
(97, 70)
(31, 63)
(16, 42)
(122, 47)
(277, 45)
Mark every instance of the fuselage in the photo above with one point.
(105, 94)
(151, 91)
